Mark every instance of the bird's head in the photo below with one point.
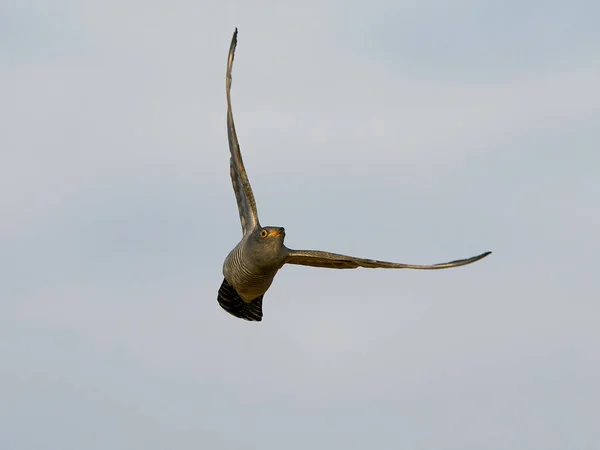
(266, 247)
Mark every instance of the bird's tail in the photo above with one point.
(231, 302)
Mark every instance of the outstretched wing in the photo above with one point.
(317, 258)
(239, 179)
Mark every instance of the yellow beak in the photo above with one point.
(277, 232)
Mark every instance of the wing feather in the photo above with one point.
(239, 179)
(317, 258)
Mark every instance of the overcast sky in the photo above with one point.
(412, 131)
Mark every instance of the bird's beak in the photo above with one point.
(277, 232)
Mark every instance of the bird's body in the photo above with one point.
(249, 271)
(251, 266)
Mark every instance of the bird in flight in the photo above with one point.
(250, 267)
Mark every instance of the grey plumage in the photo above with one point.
(251, 266)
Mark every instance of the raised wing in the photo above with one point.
(239, 179)
(317, 258)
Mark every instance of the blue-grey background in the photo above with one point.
(414, 131)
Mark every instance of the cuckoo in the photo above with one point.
(250, 267)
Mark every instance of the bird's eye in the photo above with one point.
(263, 233)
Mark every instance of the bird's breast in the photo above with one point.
(248, 282)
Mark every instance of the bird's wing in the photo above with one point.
(317, 258)
(239, 179)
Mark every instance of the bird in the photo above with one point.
(251, 266)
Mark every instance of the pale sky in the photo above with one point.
(417, 132)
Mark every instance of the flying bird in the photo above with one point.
(250, 267)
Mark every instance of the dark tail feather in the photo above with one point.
(231, 302)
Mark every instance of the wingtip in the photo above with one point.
(233, 42)
(231, 55)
